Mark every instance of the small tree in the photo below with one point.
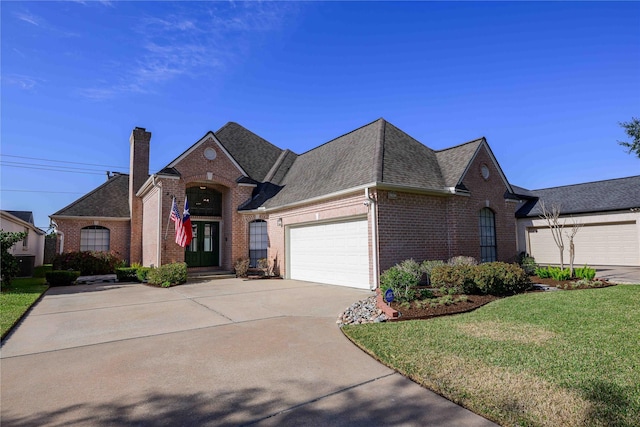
(8, 263)
(632, 129)
(553, 220)
(575, 227)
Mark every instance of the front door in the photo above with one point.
(204, 250)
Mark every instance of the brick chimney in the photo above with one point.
(138, 174)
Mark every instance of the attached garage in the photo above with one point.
(596, 244)
(335, 253)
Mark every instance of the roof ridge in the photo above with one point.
(276, 165)
(587, 183)
(248, 130)
(460, 145)
(345, 134)
(104, 184)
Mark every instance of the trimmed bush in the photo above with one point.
(127, 274)
(402, 282)
(493, 278)
(61, 277)
(168, 275)
(528, 264)
(462, 260)
(142, 273)
(88, 262)
(586, 273)
(41, 270)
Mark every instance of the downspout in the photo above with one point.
(372, 204)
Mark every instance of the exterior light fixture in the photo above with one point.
(279, 222)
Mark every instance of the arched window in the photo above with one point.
(488, 252)
(94, 238)
(258, 241)
(204, 201)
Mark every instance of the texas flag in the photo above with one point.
(187, 234)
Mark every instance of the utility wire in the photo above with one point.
(41, 191)
(64, 161)
(50, 169)
(3, 162)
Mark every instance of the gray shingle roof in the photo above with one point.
(26, 216)
(454, 161)
(254, 154)
(600, 196)
(109, 200)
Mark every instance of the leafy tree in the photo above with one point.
(632, 129)
(8, 264)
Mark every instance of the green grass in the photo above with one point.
(17, 299)
(539, 359)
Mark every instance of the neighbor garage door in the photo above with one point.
(597, 244)
(335, 253)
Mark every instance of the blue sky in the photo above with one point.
(545, 82)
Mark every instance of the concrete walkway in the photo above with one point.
(223, 352)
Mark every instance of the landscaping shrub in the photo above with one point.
(500, 278)
(8, 263)
(586, 273)
(459, 277)
(543, 272)
(242, 267)
(528, 263)
(559, 274)
(88, 262)
(462, 260)
(411, 267)
(426, 267)
(61, 277)
(168, 275)
(142, 273)
(41, 270)
(127, 274)
(493, 278)
(402, 282)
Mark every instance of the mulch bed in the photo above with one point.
(472, 302)
(475, 301)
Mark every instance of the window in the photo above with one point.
(488, 251)
(25, 241)
(204, 201)
(94, 238)
(258, 241)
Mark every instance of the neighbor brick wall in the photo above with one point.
(119, 234)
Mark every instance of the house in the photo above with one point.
(30, 251)
(340, 213)
(608, 213)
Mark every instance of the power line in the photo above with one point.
(50, 169)
(4, 162)
(64, 161)
(41, 191)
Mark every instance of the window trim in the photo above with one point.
(488, 252)
(91, 240)
(261, 240)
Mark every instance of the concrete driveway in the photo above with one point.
(223, 352)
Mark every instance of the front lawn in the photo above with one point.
(537, 359)
(17, 299)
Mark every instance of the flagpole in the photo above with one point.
(169, 219)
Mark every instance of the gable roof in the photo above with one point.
(26, 216)
(599, 196)
(378, 153)
(254, 154)
(109, 200)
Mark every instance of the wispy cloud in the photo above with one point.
(20, 81)
(29, 18)
(201, 38)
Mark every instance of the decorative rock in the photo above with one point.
(360, 312)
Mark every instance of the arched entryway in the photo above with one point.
(205, 208)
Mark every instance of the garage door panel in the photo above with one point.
(597, 244)
(334, 253)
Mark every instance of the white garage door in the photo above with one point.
(335, 253)
(598, 244)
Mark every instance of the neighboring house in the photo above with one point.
(29, 251)
(609, 212)
(340, 213)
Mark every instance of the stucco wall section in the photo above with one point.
(35, 241)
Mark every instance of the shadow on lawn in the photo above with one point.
(249, 406)
(610, 405)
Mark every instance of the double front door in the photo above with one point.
(204, 250)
